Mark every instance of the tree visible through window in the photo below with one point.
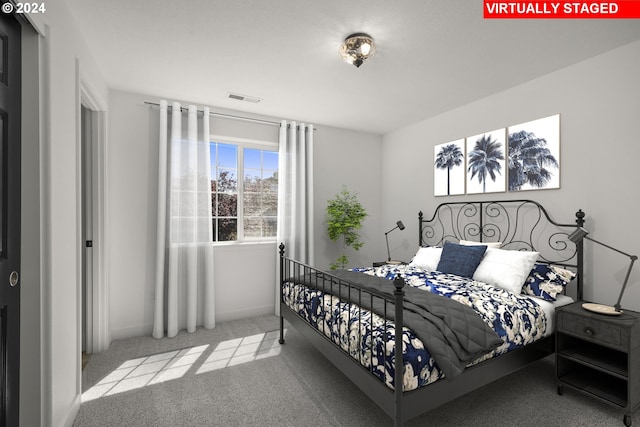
(260, 193)
(246, 208)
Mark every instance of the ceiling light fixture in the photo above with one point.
(357, 48)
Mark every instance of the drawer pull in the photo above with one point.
(589, 331)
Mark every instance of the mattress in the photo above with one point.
(550, 307)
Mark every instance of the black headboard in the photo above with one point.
(518, 224)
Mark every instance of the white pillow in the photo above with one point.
(427, 258)
(505, 269)
(487, 244)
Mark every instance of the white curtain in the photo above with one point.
(295, 195)
(184, 259)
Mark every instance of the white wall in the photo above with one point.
(244, 273)
(63, 59)
(598, 101)
(352, 159)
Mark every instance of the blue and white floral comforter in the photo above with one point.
(370, 340)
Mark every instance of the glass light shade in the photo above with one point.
(357, 48)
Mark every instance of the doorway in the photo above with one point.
(93, 334)
(86, 147)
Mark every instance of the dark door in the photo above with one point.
(10, 88)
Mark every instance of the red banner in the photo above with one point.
(539, 9)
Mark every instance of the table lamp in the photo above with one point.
(577, 236)
(399, 225)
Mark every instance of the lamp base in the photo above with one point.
(601, 309)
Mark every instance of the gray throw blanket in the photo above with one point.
(454, 334)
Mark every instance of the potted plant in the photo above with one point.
(344, 217)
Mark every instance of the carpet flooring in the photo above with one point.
(238, 375)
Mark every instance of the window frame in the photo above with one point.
(241, 144)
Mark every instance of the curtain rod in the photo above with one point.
(229, 116)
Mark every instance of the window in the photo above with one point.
(244, 191)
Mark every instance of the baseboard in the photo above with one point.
(73, 412)
(244, 314)
(221, 316)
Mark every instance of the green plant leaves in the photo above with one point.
(344, 216)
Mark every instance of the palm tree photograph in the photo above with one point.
(534, 154)
(486, 162)
(448, 174)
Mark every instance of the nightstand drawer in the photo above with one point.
(592, 330)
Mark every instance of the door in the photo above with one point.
(86, 120)
(10, 89)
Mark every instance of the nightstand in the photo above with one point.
(381, 263)
(599, 355)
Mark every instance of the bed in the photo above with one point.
(475, 304)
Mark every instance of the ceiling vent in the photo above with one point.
(245, 98)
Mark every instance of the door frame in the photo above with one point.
(98, 305)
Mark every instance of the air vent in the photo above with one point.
(245, 98)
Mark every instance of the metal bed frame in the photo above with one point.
(519, 225)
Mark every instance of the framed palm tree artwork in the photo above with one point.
(534, 154)
(448, 171)
(486, 162)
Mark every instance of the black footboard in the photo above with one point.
(389, 400)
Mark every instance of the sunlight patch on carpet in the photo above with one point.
(144, 371)
(242, 350)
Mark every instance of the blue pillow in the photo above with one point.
(460, 260)
(547, 281)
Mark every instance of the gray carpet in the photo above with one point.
(215, 378)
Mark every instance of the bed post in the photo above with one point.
(281, 281)
(398, 366)
(580, 254)
(420, 215)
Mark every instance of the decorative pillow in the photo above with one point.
(547, 281)
(460, 260)
(487, 244)
(506, 269)
(427, 258)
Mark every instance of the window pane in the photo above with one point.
(227, 156)
(260, 193)
(260, 227)
(227, 229)
(224, 190)
(269, 203)
(270, 160)
(270, 226)
(252, 227)
(270, 182)
(252, 158)
(252, 204)
(227, 180)
(252, 180)
(227, 204)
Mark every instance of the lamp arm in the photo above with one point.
(386, 236)
(633, 257)
(390, 230)
(624, 284)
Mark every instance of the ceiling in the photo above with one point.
(433, 55)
